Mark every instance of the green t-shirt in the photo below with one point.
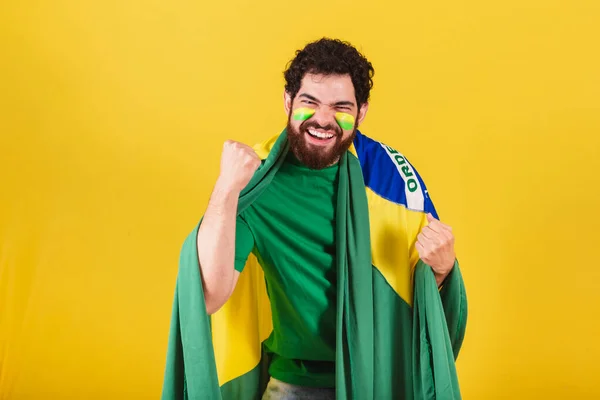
(291, 230)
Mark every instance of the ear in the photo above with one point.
(362, 113)
(287, 102)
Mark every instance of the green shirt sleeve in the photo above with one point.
(244, 243)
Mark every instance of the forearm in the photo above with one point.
(216, 246)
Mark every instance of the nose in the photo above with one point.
(325, 116)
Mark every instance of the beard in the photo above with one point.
(316, 157)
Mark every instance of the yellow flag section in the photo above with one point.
(393, 250)
(242, 324)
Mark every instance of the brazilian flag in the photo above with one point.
(397, 333)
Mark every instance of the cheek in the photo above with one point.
(346, 135)
(345, 121)
(296, 125)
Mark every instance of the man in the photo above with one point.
(292, 228)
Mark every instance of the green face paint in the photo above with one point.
(303, 113)
(345, 120)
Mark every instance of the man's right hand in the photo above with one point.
(239, 162)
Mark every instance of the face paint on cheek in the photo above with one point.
(302, 113)
(345, 121)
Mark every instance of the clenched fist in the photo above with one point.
(239, 162)
(435, 245)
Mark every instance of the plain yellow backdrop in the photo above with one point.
(112, 117)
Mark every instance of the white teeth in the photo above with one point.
(320, 135)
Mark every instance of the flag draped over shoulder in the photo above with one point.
(397, 334)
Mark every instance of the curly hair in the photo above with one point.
(331, 56)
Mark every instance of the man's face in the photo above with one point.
(315, 118)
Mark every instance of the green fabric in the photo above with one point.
(249, 386)
(354, 339)
(434, 372)
(294, 216)
(377, 355)
(393, 342)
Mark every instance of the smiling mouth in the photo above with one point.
(320, 135)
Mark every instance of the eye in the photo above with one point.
(308, 102)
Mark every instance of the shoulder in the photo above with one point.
(388, 173)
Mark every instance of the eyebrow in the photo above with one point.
(336, 104)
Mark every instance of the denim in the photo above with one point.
(277, 390)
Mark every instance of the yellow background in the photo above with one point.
(112, 116)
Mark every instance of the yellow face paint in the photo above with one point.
(303, 113)
(345, 121)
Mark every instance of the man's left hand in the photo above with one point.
(435, 245)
